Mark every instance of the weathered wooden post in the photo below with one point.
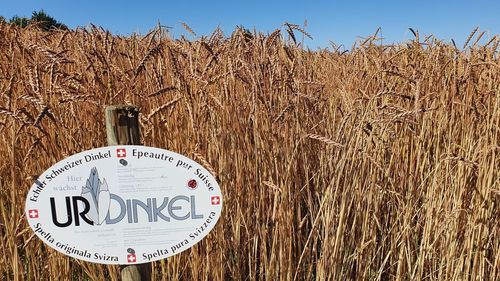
(122, 128)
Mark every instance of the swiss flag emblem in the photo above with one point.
(121, 152)
(33, 214)
(215, 200)
(131, 258)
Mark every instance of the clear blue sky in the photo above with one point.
(339, 21)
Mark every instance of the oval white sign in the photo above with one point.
(123, 204)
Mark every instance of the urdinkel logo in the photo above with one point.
(93, 206)
(96, 193)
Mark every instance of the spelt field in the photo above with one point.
(377, 163)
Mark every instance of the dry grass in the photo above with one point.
(376, 164)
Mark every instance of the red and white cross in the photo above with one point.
(131, 258)
(121, 152)
(33, 214)
(215, 200)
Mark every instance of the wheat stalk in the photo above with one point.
(324, 140)
(188, 29)
(163, 106)
(149, 55)
(205, 163)
(470, 37)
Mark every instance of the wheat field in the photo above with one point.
(377, 163)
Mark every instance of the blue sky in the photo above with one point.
(342, 22)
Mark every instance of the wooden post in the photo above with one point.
(122, 128)
(122, 125)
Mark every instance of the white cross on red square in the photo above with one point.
(215, 200)
(131, 258)
(121, 152)
(33, 214)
